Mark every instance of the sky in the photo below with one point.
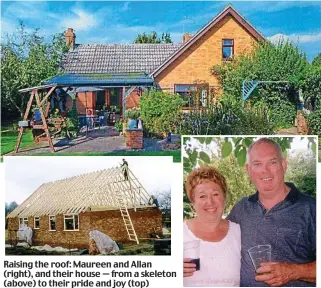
(24, 174)
(120, 22)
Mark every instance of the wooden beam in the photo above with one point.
(47, 95)
(79, 193)
(44, 122)
(24, 119)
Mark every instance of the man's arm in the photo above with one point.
(278, 274)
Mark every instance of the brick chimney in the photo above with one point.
(70, 37)
(186, 37)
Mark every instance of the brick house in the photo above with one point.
(176, 68)
(62, 213)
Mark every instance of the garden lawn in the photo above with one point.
(9, 139)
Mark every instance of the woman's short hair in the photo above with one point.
(204, 174)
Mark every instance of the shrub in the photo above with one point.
(226, 119)
(119, 125)
(314, 123)
(283, 113)
(160, 111)
(133, 113)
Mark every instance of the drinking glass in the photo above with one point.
(260, 254)
(192, 251)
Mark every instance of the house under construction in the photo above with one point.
(62, 213)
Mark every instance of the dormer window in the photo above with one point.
(227, 49)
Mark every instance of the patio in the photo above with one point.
(99, 140)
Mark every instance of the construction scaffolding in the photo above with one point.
(96, 191)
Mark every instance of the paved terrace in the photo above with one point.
(107, 139)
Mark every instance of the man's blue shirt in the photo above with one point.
(289, 227)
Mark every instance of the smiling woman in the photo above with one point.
(209, 240)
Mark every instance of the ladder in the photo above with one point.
(126, 218)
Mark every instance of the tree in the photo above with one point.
(164, 202)
(317, 60)
(302, 172)
(9, 207)
(268, 62)
(26, 60)
(198, 152)
(160, 111)
(152, 38)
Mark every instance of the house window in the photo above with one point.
(227, 49)
(23, 221)
(193, 93)
(188, 93)
(71, 222)
(36, 224)
(52, 223)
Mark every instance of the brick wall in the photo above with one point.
(145, 221)
(134, 139)
(133, 99)
(195, 63)
(302, 124)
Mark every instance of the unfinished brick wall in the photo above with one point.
(134, 139)
(145, 221)
(195, 63)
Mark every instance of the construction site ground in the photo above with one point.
(143, 248)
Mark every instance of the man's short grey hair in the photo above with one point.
(266, 141)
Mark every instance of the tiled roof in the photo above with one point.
(101, 79)
(117, 58)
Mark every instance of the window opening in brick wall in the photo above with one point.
(22, 221)
(188, 93)
(36, 224)
(52, 223)
(71, 222)
(227, 49)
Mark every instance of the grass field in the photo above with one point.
(9, 139)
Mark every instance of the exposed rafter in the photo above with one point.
(87, 192)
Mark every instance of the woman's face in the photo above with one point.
(208, 201)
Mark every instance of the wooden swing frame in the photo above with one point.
(44, 114)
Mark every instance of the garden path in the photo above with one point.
(288, 131)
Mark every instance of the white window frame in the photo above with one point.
(50, 216)
(34, 222)
(71, 216)
(24, 221)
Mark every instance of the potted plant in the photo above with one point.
(132, 116)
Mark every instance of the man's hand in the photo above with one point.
(277, 274)
(189, 268)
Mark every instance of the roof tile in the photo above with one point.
(117, 58)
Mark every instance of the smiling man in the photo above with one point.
(278, 214)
